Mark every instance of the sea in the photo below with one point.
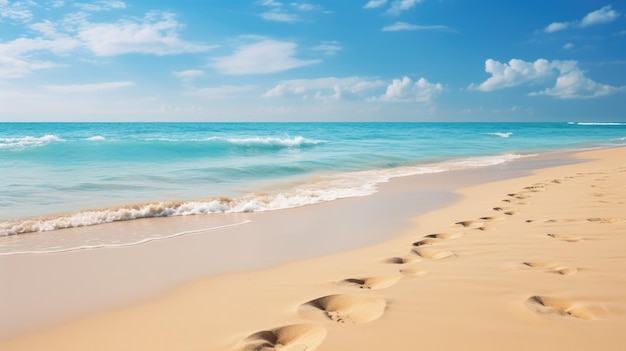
(55, 176)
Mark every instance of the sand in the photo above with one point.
(531, 262)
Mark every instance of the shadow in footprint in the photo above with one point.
(567, 237)
(296, 337)
(372, 282)
(345, 308)
(552, 267)
(434, 254)
(558, 307)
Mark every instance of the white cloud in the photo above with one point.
(16, 10)
(13, 67)
(157, 34)
(325, 88)
(405, 90)
(399, 26)
(398, 6)
(372, 4)
(574, 85)
(328, 47)
(267, 56)
(513, 73)
(604, 15)
(570, 82)
(278, 15)
(556, 26)
(568, 46)
(103, 5)
(188, 74)
(87, 88)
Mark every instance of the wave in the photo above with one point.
(96, 138)
(322, 189)
(28, 141)
(501, 135)
(599, 123)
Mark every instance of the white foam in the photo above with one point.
(96, 138)
(29, 141)
(325, 188)
(501, 135)
(601, 124)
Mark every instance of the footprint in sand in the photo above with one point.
(557, 307)
(433, 254)
(471, 224)
(372, 282)
(344, 308)
(444, 236)
(570, 238)
(400, 260)
(606, 220)
(296, 337)
(552, 267)
(413, 272)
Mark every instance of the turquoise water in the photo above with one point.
(61, 175)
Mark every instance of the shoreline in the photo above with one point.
(277, 288)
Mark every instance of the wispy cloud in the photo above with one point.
(403, 26)
(267, 56)
(102, 5)
(188, 75)
(604, 15)
(569, 80)
(328, 88)
(399, 6)
(16, 10)
(286, 12)
(224, 91)
(372, 4)
(88, 88)
(328, 47)
(158, 33)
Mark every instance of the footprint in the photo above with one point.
(567, 237)
(345, 308)
(373, 282)
(427, 241)
(434, 254)
(471, 224)
(492, 218)
(444, 236)
(552, 306)
(551, 266)
(400, 260)
(606, 220)
(413, 272)
(296, 337)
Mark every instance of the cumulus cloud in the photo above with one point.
(400, 26)
(267, 56)
(604, 15)
(570, 80)
(405, 90)
(224, 91)
(87, 88)
(287, 13)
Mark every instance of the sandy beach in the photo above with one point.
(511, 259)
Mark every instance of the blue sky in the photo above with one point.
(349, 60)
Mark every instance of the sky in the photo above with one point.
(318, 60)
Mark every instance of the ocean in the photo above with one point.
(65, 175)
